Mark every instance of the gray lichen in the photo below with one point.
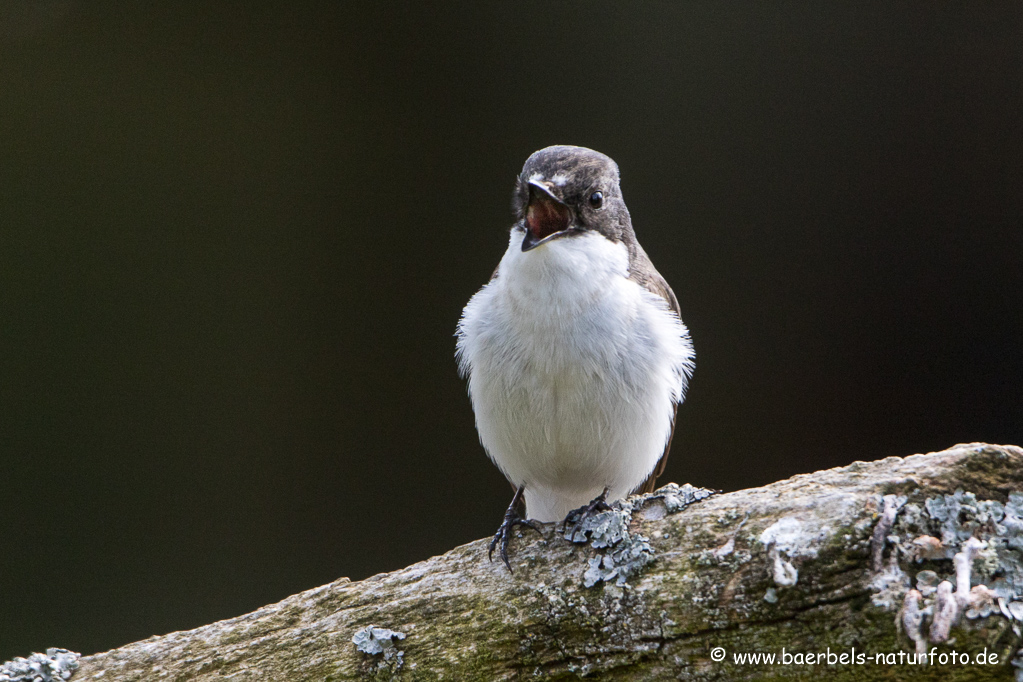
(787, 539)
(625, 554)
(889, 586)
(948, 522)
(623, 561)
(602, 530)
(54, 665)
(677, 497)
(973, 551)
(374, 641)
(669, 499)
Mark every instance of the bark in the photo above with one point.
(851, 560)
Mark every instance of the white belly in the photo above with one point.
(573, 372)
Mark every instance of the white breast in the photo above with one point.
(573, 371)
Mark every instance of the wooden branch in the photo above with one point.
(845, 561)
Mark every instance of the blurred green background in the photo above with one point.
(235, 239)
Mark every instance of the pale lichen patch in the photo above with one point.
(669, 499)
(375, 641)
(53, 666)
(786, 540)
(624, 553)
(973, 552)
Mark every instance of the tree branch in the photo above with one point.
(850, 560)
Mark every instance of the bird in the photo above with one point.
(575, 351)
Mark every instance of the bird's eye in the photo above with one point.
(597, 199)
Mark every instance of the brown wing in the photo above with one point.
(643, 273)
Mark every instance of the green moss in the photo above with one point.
(990, 473)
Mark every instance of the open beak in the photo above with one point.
(547, 217)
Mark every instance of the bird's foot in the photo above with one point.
(577, 516)
(504, 533)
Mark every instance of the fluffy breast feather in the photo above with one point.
(573, 371)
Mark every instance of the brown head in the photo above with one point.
(564, 191)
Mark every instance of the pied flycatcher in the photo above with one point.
(576, 356)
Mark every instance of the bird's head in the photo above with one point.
(564, 191)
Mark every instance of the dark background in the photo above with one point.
(235, 240)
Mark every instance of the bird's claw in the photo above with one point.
(503, 534)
